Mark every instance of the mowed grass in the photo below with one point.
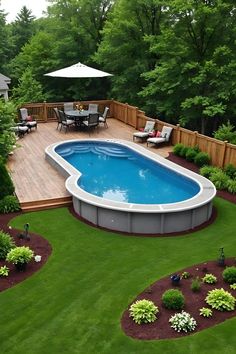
(75, 302)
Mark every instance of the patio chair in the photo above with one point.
(68, 106)
(92, 121)
(27, 119)
(92, 107)
(149, 126)
(66, 123)
(103, 118)
(164, 136)
(20, 130)
(57, 117)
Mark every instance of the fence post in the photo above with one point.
(178, 133)
(222, 159)
(195, 138)
(45, 116)
(126, 113)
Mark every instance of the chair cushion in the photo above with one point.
(141, 134)
(158, 134)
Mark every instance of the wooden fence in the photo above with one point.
(221, 153)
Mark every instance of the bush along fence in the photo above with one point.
(221, 153)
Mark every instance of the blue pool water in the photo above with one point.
(118, 173)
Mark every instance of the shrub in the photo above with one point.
(9, 204)
(191, 154)
(6, 244)
(230, 170)
(229, 275)
(205, 312)
(143, 311)
(226, 132)
(185, 275)
(207, 171)
(233, 286)
(173, 299)
(21, 254)
(220, 180)
(221, 300)
(201, 159)
(4, 271)
(177, 148)
(183, 322)
(209, 278)
(183, 151)
(231, 186)
(6, 185)
(196, 284)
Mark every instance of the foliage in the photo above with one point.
(196, 284)
(183, 322)
(28, 90)
(6, 185)
(209, 278)
(220, 180)
(185, 275)
(7, 137)
(221, 300)
(230, 170)
(177, 149)
(229, 275)
(201, 159)
(231, 186)
(21, 254)
(205, 312)
(6, 244)
(191, 154)
(4, 271)
(226, 132)
(208, 171)
(173, 299)
(233, 286)
(143, 311)
(183, 151)
(9, 204)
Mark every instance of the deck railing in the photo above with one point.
(221, 152)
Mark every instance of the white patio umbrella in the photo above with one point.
(78, 70)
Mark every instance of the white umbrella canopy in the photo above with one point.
(78, 70)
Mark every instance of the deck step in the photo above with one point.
(46, 204)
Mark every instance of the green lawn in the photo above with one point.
(75, 302)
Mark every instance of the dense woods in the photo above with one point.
(174, 59)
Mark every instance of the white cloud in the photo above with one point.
(13, 7)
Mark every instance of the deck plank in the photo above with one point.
(35, 179)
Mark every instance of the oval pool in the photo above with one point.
(122, 186)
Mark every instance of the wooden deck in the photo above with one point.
(36, 182)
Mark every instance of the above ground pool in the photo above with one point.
(124, 187)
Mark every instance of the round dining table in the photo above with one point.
(78, 115)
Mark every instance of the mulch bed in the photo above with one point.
(37, 243)
(160, 329)
(191, 166)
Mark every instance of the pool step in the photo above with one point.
(46, 204)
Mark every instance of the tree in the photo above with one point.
(22, 29)
(7, 137)
(194, 78)
(28, 90)
(5, 42)
(124, 50)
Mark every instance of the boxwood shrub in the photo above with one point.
(229, 275)
(191, 154)
(201, 159)
(177, 148)
(173, 299)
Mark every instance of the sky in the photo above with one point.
(13, 7)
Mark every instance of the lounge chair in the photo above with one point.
(103, 118)
(64, 121)
(57, 117)
(149, 126)
(163, 138)
(27, 119)
(20, 130)
(92, 107)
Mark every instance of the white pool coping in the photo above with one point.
(206, 194)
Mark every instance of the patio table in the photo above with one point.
(79, 116)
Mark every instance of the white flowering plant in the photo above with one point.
(37, 258)
(183, 322)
